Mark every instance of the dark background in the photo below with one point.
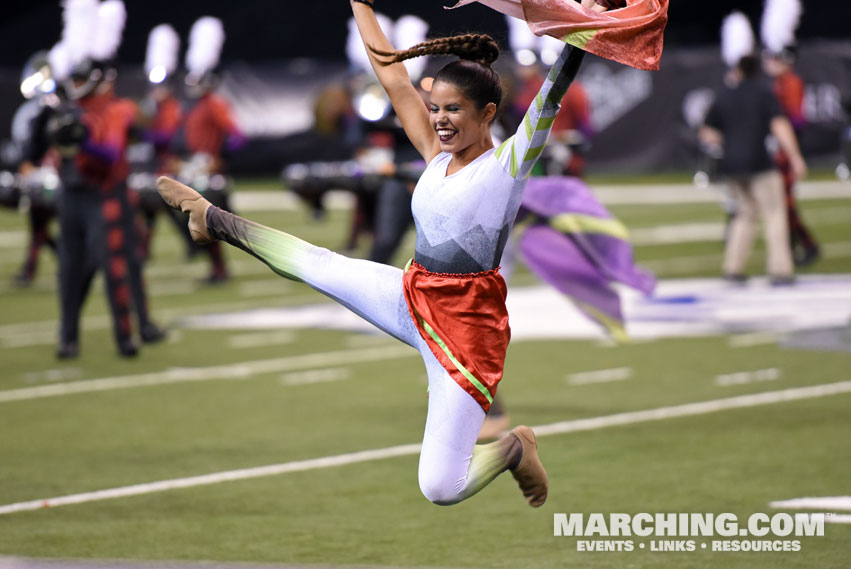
(268, 43)
(264, 30)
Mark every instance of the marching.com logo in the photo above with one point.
(775, 532)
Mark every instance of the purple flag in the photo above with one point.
(574, 244)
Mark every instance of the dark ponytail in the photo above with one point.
(480, 48)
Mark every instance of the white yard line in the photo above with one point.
(216, 478)
(689, 263)
(836, 250)
(699, 232)
(42, 332)
(815, 503)
(15, 239)
(159, 289)
(261, 339)
(685, 264)
(265, 287)
(699, 408)
(752, 339)
(677, 233)
(176, 268)
(644, 194)
(742, 377)
(311, 376)
(633, 194)
(237, 371)
(284, 200)
(828, 504)
(589, 424)
(44, 338)
(599, 376)
(56, 374)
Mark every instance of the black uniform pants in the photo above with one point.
(93, 235)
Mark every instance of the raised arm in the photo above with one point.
(520, 152)
(394, 78)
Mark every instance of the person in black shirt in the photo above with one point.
(744, 114)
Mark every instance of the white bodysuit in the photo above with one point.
(462, 223)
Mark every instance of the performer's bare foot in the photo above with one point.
(529, 472)
(187, 200)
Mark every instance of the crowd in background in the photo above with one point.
(89, 158)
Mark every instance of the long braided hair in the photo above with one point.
(472, 73)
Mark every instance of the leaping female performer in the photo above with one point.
(449, 302)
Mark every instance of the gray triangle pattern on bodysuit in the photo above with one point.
(450, 256)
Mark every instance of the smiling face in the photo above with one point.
(459, 124)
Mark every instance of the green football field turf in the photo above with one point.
(213, 401)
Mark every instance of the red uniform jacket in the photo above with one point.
(102, 161)
(789, 89)
(162, 129)
(209, 125)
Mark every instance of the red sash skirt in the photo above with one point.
(463, 319)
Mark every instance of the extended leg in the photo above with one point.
(371, 290)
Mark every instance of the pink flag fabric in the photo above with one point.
(631, 35)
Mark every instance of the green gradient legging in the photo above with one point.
(452, 467)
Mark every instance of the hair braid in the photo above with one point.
(480, 48)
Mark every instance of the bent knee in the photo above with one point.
(438, 491)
